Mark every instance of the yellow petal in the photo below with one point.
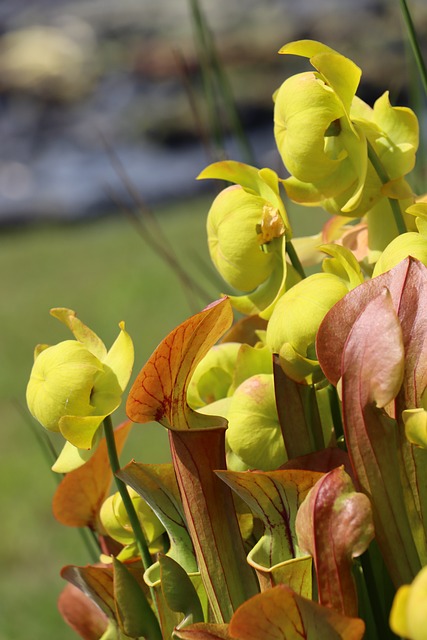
(415, 421)
(71, 458)
(397, 620)
(81, 332)
(408, 244)
(399, 143)
(80, 430)
(121, 356)
(340, 72)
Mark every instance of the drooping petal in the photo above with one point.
(71, 458)
(80, 430)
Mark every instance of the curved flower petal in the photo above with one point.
(71, 458)
(293, 326)
(120, 357)
(80, 430)
(408, 244)
(398, 146)
(303, 110)
(341, 73)
(81, 332)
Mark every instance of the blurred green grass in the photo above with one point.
(104, 271)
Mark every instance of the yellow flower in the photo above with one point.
(75, 384)
(322, 131)
(247, 232)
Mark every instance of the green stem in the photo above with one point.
(383, 176)
(414, 44)
(124, 493)
(295, 261)
(89, 539)
(133, 518)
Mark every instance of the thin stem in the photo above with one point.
(124, 493)
(133, 518)
(383, 176)
(414, 44)
(295, 261)
(89, 539)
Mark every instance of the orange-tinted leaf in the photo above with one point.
(333, 331)
(334, 525)
(204, 632)
(79, 497)
(323, 461)
(96, 583)
(280, 614)
(160, 390)
(372, 364)
(211, 519)
(389, 448)
(274, 497)
(81, 614)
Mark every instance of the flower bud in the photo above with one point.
(254, 433)
(322, 132)
(115, 520)
(293, 326)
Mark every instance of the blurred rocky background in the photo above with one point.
(79, 78)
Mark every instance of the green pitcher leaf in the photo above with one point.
(133, 612)
(281, 614)
(334, 524)
(273, 496)
(179, 591)
(156, 483)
